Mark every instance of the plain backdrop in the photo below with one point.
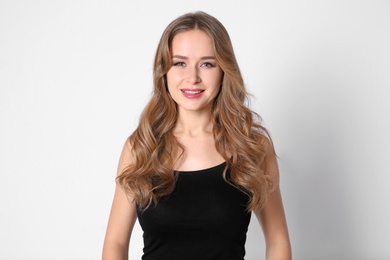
(75, 75)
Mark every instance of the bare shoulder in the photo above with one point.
(267, 145)
(270, 163)
(126, 158)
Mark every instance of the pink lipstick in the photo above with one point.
(192, 93)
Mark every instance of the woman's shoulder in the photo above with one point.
(269, 161)
(266, 143)
(127, 157)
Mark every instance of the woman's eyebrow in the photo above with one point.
(185, 58)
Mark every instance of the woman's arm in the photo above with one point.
(272, 218)
(122, 217)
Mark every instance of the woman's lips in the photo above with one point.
(192, 93)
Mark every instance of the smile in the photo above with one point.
(192, 93)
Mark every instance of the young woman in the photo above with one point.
(199, 162)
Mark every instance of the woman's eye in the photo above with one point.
(179, 64)
(208, 64)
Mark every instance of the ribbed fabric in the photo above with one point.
(204, 218)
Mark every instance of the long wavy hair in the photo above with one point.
(239, 136)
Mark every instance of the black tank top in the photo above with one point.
(204, 218)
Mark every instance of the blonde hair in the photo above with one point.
(239, 136)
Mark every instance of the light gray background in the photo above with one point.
(74, 76)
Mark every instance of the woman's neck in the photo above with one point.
(193, 123)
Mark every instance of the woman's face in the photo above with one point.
(195, 77)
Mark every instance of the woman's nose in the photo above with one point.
(193, 76)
